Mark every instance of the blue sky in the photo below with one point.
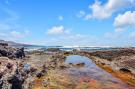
(68, 22)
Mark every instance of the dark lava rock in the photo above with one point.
(4, 44)
(1, 74)
(9, 65)
(16, 81)
(125, 70)
(20, 53)
(32, 69)
(3, 53)
(39, 75)
(6, 51)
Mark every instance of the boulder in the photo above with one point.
(19, 53)
(39, 75)
(3, 53)
(16, 81)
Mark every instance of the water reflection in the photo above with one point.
(76, 59)
(92, 71)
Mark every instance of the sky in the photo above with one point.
(68, 22)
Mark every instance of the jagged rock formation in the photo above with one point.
(6, 51)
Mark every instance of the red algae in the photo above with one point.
(125, 77)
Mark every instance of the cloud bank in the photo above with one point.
(104, 11)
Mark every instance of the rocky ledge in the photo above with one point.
(122, 59)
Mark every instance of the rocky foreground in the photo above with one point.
(19, 69)
(120, 63)
(46, 69)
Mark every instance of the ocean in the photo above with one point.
(70, 48)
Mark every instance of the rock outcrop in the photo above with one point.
(6, 51)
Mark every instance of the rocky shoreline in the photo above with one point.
(118, 59)
(123, 59)
(34, 69)
(19, 69)
(120, 63)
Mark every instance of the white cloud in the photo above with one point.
(81, 14)
(61, 18)
(58, 30)
(103, 11)
(11, 32)
(13, 35)
(99, 11)
(72, 40)
(58, 35)
(119, 30)
(126, 19)
(18, 35)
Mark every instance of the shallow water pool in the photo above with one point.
(91, 72)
